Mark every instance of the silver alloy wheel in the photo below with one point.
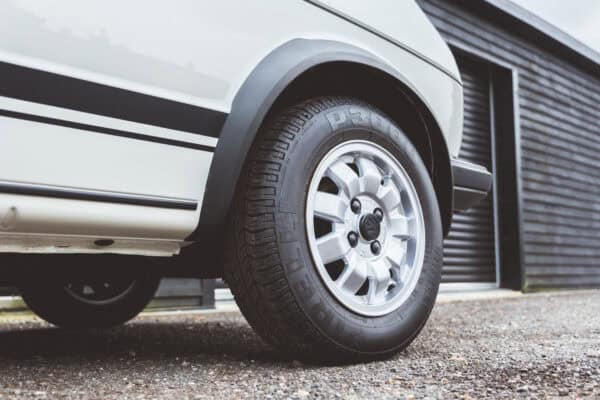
(365, 228)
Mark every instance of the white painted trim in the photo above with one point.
(467, 287)
(11, 303)
(223, 294)
(489, 294)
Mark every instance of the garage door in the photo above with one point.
(469, 255)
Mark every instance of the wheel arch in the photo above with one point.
(301, 68)
(395, 99)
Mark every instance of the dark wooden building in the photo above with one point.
(532, 116)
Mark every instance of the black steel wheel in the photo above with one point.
(91, 300)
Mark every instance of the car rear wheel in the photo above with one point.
(335, 248)
(91, 300)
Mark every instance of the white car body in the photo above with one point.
(69, 149)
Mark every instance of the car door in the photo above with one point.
(107, 126)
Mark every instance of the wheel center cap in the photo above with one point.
(370, 227)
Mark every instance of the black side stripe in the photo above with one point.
(77, 94)
(106, 131)
(95, 195)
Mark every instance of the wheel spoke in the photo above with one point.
(332, 247)
(330, 207)
(90, 290)
(344, 177)
(370, 175)
(389, 196)
(399, 227)
(354, 274)
(379, 279)
(396, 252)
(76, 287)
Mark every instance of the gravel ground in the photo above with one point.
(540, 346)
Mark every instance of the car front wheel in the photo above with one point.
(335, 247)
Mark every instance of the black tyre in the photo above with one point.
(91, 300)
(335, 248)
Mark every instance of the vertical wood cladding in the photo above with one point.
(559, 105)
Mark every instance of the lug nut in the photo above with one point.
(376, 247)
(355, 206)
(378, 214)
(353, 239)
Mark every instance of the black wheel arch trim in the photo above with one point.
(250, 107)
